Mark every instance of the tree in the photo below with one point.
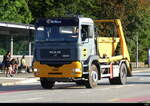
(15, 11)
(59, 8)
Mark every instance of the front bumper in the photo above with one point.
(65, 71)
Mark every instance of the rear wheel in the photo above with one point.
(46, 84)
(122, 79)
(92, 77)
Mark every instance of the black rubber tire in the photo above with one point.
(92, 77)
(80, 82)
(122, 79)
(46, 84)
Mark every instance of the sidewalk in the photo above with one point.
(20, 78)
(140, 69)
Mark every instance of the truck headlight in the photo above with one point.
(76, 70)
(35, 70)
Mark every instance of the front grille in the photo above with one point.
(55, 64)
(55, 53)
(55, 73)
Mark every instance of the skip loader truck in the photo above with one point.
(76, 49)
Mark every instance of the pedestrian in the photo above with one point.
(6, 62)
(16, 63)
(23, 64)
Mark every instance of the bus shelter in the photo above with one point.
(18, 39)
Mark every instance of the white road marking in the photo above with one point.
(30, 99)
(12, 78)
(23, 99)
(121, 86)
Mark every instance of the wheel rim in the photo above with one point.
(94, 76)
(123, 75)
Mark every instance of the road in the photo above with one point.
(137, 90)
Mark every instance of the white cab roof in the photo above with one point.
(85, 20)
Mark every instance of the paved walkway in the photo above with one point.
(141, 69)
(17, 79)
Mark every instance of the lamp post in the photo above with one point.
(137, 53)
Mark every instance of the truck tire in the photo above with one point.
(80, 82)
(46, 84)
(122, 79)
(92, 77)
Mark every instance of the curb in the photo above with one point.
(146, 70)
(29, 80)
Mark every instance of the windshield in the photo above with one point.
(68, 30)
(48, 33)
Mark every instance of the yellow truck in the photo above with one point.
(81, 50)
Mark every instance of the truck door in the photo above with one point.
(87, 41)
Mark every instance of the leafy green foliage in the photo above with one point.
(2, 51)
(60, 8)
(15, 11)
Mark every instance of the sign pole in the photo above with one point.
(148, 58)
(137, 53)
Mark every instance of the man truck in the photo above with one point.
(75, 49)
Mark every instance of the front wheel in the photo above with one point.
(46, 84)
(80, 82)
(92, 77)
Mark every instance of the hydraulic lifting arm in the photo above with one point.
(123, 46)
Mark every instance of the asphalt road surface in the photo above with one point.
(137, 90)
